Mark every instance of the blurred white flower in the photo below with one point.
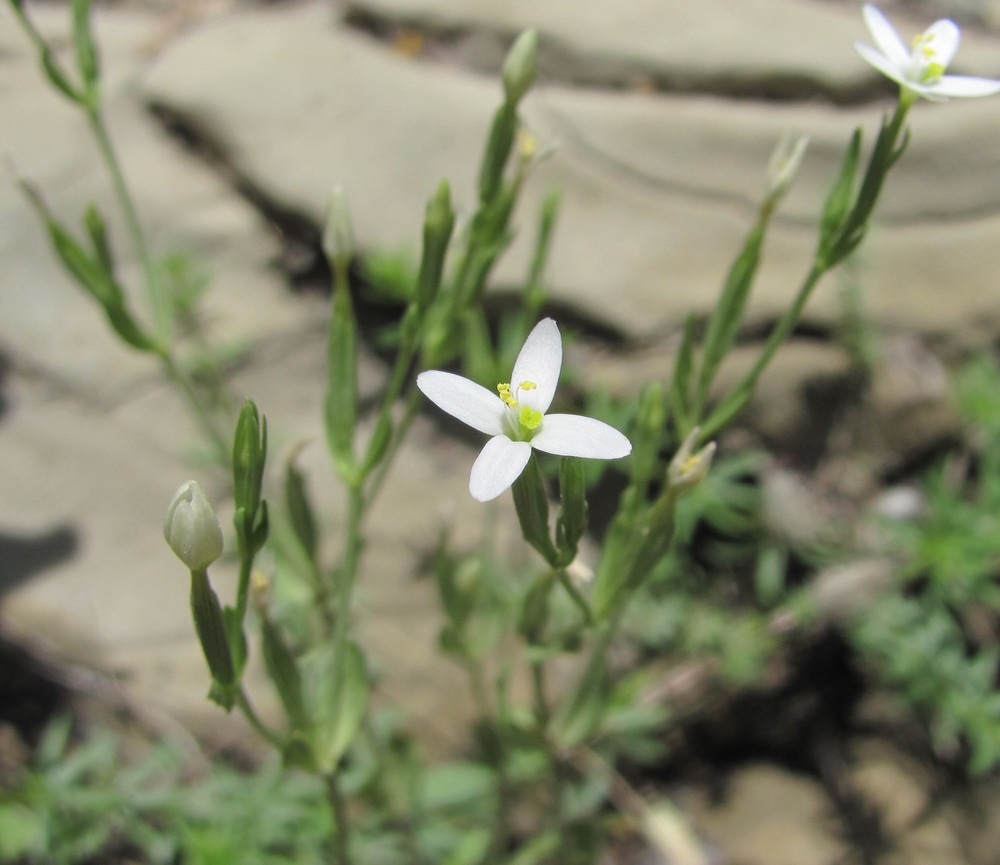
(920, 69)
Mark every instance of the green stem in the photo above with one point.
(338, 807)
(218, 440)
(158, 301)
(576, 596)
(248, 712)
(740, 394)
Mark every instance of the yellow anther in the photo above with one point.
(527, 145)
(529, 418)
(527, 385)
(504, 390)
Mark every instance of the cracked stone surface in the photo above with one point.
(662, 123)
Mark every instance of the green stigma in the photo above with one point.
(529, 418)
(932, 72)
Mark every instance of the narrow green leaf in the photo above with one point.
(725, 320)
(841, 198)
(283, 670)
(83, 43)
(300, 510)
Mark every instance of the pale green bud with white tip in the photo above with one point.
(784, 166)
(192, 529)
(688, 468)
(521, 66)
(338, 232)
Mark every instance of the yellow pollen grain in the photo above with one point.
(690, 464)
(504, 390)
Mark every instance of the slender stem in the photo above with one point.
(779, 333)
(219, 441)
(576, 596)
(158, 301)
(338, 807)
(248, 712)
(398, 434)
(541, 700)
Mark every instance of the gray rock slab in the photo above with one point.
(784, 47)
(659, 190)
(48, 324)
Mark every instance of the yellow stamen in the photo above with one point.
(527, 385)
(504, 390)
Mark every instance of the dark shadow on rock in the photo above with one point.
(30, 692)
(23, 556)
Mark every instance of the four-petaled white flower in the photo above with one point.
(515, 415)
(921, 69)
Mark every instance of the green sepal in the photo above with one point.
(237, 639)
(283, 670)
(439, 222)
(341, 403)
(533, 511)
(211, 630)
(571, 522)
(300, 511)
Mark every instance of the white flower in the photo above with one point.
(921, 69)
(516, 417)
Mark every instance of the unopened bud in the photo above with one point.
(521, 66)
(191, 528)
(687, 469)
(338, 235)
(784, 165)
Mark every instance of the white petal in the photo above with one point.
(886, 37)
(881, 63)
(572, 435)
(942, 36)
(498, 465)
(965, 85)
(539, 362)
(469, 402)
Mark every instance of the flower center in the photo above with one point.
(929, 69)
(524, 419)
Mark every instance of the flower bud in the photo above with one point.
(338, 235)
(521, 66)
(687, 469)
(191, 528)
(784, 165)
